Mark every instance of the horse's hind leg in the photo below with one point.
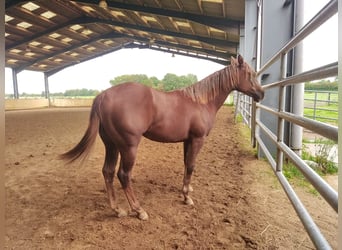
(124, 174)
(111, 158)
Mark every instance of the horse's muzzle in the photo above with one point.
(258, 95)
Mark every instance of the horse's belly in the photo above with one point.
(166, 134)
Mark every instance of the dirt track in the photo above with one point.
(238, 202)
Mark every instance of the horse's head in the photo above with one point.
(246, 78)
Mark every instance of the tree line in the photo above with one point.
(325, 85)
(168, 83)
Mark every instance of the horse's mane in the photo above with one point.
(210, 87)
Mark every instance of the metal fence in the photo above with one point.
(251, 114)
(321, 102)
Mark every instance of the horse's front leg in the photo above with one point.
(191, 149)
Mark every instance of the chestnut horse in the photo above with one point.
(124, 113)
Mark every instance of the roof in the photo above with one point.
(48, 36)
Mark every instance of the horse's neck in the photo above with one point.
(219, 100)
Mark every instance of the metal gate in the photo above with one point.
(250, 112)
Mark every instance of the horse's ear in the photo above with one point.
(232, 61)
(240, 60)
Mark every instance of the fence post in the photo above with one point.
(281, 106)
(237, 103)
(315, 106)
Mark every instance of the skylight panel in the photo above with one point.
(76, 27)
(66, 40)
(88, 8)
(213, 1)
(120, 29)
(182, 24)
(48, 47)
(215, 30)
(12, 61)
(8, 18)
(7, 34)
(54, 35)
(108, 42)
(117, 13)
(149, 18)
(35, 43)
(15, 51)
(195, 43)
(30, 6)
(48, 14)
(91, 48)
(74, 54)
(58, 60)
(86, 32)
(168, 38)
(30, 54)
(24, 25)
(143, 33)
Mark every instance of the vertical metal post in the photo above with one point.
(256, 111)
(297, 99)
(252, 51)
(15, 84)
(253, 124)
(237, 105)
(46, 84)
(339, 237)
(277, 30)
(315, 105)
(281, 107)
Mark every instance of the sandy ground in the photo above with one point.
(238, 202)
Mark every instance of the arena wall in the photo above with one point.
(17, 104)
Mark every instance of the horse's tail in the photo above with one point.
(82, 149)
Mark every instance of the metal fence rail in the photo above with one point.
(243, 104)
(326, 130)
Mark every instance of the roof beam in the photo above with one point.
(10, 3)
(216, 60)
(208, 40)
(114, 35)
(132, 45)
(216, 22)
(83, 20)
(75, 46)
(43, 33)
(185, 47)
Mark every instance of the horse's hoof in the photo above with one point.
(143, 216)
(188, 201)
(120, 212)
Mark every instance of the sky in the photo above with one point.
(96, 73)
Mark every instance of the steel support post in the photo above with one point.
(46, 85)
(15, 84)
(296, 136)
(276, 30)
